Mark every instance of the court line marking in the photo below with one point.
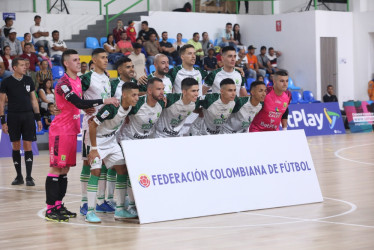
(347, 159)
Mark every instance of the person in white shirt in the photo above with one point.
(56, 47)
(227, 37)
(138, 59)
(39, 33)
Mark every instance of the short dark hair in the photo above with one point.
(271, 48)
(228, 48)
(83, 63)
(28, 44)
(8, 19)
(164, 32)
(122, 61)
(24, 35)
(50, 104)
(263, 47)
(129, 85)
(152, 80)
(254, 84)
(16, 60)
(145, 22)
(204, 33)
(328, 86)
(226, 81)
(55, 31)
(228, 24)
(185, 47)
(98, 51)
(90, 63)
(137, 46)
(194, 34)
(37, 16)
(188, 83)
(281, 73)
(67, 54)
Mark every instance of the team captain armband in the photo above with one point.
(2, 119)
(96, 121)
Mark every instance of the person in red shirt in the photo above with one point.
(117, 31)
(131, 32)
(34, 61)
(124, 45)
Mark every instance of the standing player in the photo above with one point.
(95, 85)
(63, 135)
(216, 109)
(245, 110)
(23, 110)
(104, 147)
(126, 72)
(228, 70)
(178, 108)
(275, 108)
(142, 118)
(161, 63)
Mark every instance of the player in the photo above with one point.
(245, 110)
(63, 135)
(161, 63)
(228, 70)
(104, 147)
(216, 109)
(126, 72)
(178, 108)
(275, 108)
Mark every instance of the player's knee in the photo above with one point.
(16, 145)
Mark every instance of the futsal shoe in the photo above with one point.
(67, 213)
(123, 214)
(83, 209)
(92, 218)
(112, 204)
(18, 181)
(30, 181)
(132, 210)
(54, 215)
(104, 208)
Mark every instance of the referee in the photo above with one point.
(23, 110)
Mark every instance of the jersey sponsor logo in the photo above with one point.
(175, 122)
(137, 136)
(236, 81)
(144, 180)
(28, 88)
(220, 121)
(75, 117)
(148, 125)
(63, 157)
(269, 126)
(172, 133)
(285, 105)
(213, 132)
(109, 135)
(65, 88)
(105, 114)
(274, 114)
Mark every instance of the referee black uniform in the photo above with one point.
(20, 121)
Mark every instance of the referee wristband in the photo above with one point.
(2, 119)
(93, 148)
(37, 117)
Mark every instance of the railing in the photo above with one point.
(49, 8)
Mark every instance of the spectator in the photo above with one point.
(131, 32)
(198, 48)
(219, 58)
(146, 32)
(27, 39)
(33, 59)
(48, 116)
(152, 47)
(140, 41)
(46, 95)
(330, 95)
(124, 45)
(178, 44)
(271, 81)
(6, 28)
(205, 43)
(210, 61)
(91, 66)
(252, 65)
(138, 59)
(238, 36)
(43, 56)
(83, 69)
(227, 37)
(273, 55)
(371, 90)
(246, 7)
(117, 31)
(13, 43)
(114, 53)
(6, 59)
(3, 72)
(168, 50)
(56, 47)
(43, 74)
(39, 33)
(31, 73)
(264, 62)
(260, 78)
(242, 62)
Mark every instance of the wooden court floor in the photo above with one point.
(344, 220)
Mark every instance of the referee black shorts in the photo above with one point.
(21, 124)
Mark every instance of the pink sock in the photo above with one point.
(49, 207)
(58, 204)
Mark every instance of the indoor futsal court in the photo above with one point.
(344, 220)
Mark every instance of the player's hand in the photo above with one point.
(89, 111)
(112, 100)
(92, 155)
(142, 80)
(40, 126)
(165, 100)
(241, 71)
(4, 127)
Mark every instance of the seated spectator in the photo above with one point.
(131, 32)
(371, 90)
(7, 59)
(242, 62)
(264, 62)
(91, 66)
(145, 32)
(330, 95)
(138, 59)
(46, 95)
(31, 73)
(227, 37)
(114, 53)
(13, 43)
(48, 116)
(252, 65)
(168, 50)
(271, 80)
(118, 30)
(3, 72)
(205, 43)
(210, 61)
(273, 55)
(178, 44)
(43, 56)
(198, 48)
(33, 59)
(260, 78)
(43, 74)
(56, 47)
(219, 57)
(124, 45)
(7, 27)
(238, 36)
(27, 39)
(39, 34)
(83, 69)
(152, 47)
(140, 41)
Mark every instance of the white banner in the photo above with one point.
(186, 177)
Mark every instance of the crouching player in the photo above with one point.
(104, 147)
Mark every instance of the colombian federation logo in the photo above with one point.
(144, 180)
(331, 117)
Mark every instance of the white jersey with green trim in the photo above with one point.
(173, 116)
(215, 77)
(241, 117)
(177, 74)
(166, 81)
(116, 87)
(142, 118)
(215, 113)
(94, 86)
